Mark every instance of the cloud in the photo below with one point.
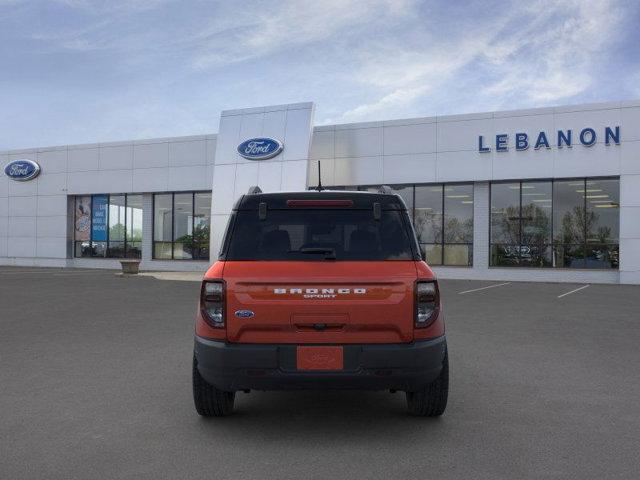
(543, 53)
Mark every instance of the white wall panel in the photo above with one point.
(223, 189)
(84, 182)
(406, 168)
(297, 136)
(52, 183)
(22, 189)
(117, 157)
(193, 177)
(358, 142)
(322, 145)
(151, 155)
(51, 205)
(420, 138)
(579, 161)
(4, 206)
(115, 181)
(150, 180)
(270, 175)
(463, 166)
(22, 206)
(463, 135)
(630, 157)
(52, 226)
(53, 161)
(83, 159)
(295, 176)
(188, 153)
(22, 227)
(51, 247)
(358, 171)
(21, 246)
(630, 124)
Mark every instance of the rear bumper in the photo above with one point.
(232, 367)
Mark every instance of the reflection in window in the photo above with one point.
(443, 220)
(108, 226)
(181, 225)
(565, 224)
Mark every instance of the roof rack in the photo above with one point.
(254, 190)
(385, 189)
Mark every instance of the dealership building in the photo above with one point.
(547, 194)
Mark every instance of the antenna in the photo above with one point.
(319, 187)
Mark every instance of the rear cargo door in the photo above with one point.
(320, 302)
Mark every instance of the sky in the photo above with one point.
(80, 71)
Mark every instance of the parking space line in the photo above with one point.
(484, 288)
(573, 291)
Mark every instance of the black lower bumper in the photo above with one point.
(232, 367)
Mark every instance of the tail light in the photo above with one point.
(427, 303)
(212, 302)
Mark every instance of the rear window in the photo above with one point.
(320, 234)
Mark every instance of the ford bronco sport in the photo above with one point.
(320, 290)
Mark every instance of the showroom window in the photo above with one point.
(442, 215)
(108, 226)
(181, 225)
(563, 224)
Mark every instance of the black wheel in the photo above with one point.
(209, 401)
(431, 401)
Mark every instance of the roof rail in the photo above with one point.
(385, 189)
(253, 190)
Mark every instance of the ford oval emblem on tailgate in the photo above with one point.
(244, 313)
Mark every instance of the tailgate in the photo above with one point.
(320, 301)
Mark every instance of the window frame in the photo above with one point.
(413, 207)
(553, 245)
(125, 240)
(173, 213)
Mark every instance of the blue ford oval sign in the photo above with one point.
(244, 313)
(22, 170)
(260, 148)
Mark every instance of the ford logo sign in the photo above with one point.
(22, 170)
(260, 148)
(244, 313)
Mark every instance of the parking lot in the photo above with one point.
(95, 382)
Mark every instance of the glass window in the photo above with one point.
(108, 226)
(458, 224)
(603, 223)
(505, 224)
(443, 220)
(82, 226)
(201, 225)
(117, 220)
(314, 234)
(182, 224)
(535, 231)
(134, 226)
(427, 218)
(162, 225)
(565, 223)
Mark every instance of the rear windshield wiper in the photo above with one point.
(329, 253)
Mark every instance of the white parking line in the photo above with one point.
(484, 288)
(573, 291)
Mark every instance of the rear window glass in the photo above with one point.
(319, 235)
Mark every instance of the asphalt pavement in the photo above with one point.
(95, 383)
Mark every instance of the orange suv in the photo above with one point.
(320, 290)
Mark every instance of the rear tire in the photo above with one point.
(209, 401)
(431, 401)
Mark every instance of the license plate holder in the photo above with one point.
(320, 358)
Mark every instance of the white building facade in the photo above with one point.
(549, 194)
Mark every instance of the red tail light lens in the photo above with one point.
(427, 303)
(212, 302)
